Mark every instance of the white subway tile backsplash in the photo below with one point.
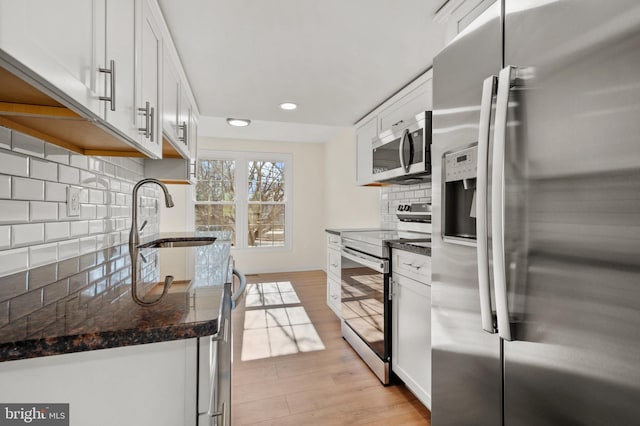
(27, 189)
(96, 196)
(68, 174)
(96, 226)
(27, 144)
(5, 236)
(34, 177)
(43, 254)
(56, 154)
(42, 169)
(88, 244)
(68, 248)
(55, 231)
(25, 235)
(14, 211)
(54, 191)
(102, 211)
(42, 211)
(87, 179)
(80, 228)
(5, 185)
(13, 261)
(78, 160)
(87, 211)
(5, 138)
(14, 164)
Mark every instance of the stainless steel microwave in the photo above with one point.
(403, 154)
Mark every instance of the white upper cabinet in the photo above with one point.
(365, 132)
(118, 67)
(414, 98)
(458, 14)
(412, 103)
(170, 95)
(62, 42)
(149, 76)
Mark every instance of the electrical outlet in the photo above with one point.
(73, 201)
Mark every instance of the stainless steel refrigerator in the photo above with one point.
(536, 223)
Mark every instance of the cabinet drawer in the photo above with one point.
(333, 240)
(412, 265)
(333, 295)
(333, 263)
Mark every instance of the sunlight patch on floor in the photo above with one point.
(275, 323)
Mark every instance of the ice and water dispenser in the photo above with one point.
(460, 172)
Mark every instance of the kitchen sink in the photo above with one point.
(178, 242)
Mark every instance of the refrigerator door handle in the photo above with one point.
(497, 203)
(486, 314)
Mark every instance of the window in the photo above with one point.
(246, 193)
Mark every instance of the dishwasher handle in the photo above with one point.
(237, 295)
(220, 365)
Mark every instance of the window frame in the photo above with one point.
(241, 200)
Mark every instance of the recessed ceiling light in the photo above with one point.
(238, 122)
(288, 106)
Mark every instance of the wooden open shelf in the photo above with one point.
(28, 110)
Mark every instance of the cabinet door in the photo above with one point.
(398, 113)
(121, 111)
(170, 95)
(411, 335)
(142, 385)
(149, 99)
(63, 42)
(364, 155)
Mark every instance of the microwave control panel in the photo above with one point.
(461, 164)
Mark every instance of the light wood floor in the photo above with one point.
(319, 380)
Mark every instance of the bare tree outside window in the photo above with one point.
(266, 216)
(215, 207)
(220, 192)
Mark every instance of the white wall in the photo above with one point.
(346, 204)
(308, 242)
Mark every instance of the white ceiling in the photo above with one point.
(337, 59)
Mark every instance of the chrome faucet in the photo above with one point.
(134, 235)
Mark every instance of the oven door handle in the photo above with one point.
(378, 265)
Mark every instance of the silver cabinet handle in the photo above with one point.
(184, 128)
(147, 113)
(152, 123)
(396, 123)
(411, 265)
(497, 203)
(112, 82)
(488, 90)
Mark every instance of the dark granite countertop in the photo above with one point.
(85, 302)
(419, 247)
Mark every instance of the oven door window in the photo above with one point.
(387, 157)
(363, 298)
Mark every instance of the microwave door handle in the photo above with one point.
(404, 165)
(484, 133)
(497, 203)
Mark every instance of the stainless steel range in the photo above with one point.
(365, 276)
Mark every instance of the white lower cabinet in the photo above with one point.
(334, 262)
(152, 384)
(411, 335)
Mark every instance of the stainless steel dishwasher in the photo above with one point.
(214, 357)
